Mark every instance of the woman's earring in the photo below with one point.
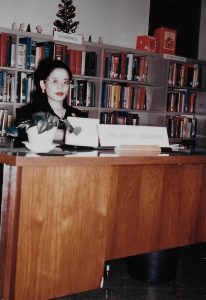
(43, 91)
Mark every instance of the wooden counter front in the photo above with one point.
(63, 217)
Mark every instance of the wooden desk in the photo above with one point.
(63, 217)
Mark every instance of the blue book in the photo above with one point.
(107, 66)
(27, 41)
(103, 99)
(48, 49)
(33, 55)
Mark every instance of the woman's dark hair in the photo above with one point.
(44, 69)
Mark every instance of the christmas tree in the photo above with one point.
(66, 13)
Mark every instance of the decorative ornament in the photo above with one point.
(21, 27)
(39, 29)
(90, 39)
(100, 40)
(14, 26)
(28, 29)
(65, 14)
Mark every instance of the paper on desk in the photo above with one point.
(86, 135)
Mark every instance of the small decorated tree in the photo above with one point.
(66, 13)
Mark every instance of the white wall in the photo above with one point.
(202, 36)
(117, 21)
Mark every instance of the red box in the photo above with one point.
(146, 42)
(166, 40)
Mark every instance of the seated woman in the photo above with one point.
(52, 79)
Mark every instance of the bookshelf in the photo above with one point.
(186, 100)
(130, 86)
(118, 85)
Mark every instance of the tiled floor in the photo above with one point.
(189, 283)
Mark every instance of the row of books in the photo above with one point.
(7, 87)
(184, 75)
(181, 101)
(81, 62)
(123, 96)
(27, 55)
(30, 52)
(6, 120)
(82, 93)
(25, 86)
(119, 118)
(125, 66)
(181, 126)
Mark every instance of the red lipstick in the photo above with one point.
(59, 94)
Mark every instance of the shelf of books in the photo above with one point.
(20, 53)
(186, 101)
(130, 84)
(118, 85)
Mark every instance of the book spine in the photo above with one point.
(129, 68)
(8, 55)
(4, 122)
(27, 42)
(123, 66)
(58, 52)
(1, 119)
(39, 55)
(33, 55)
(48, 49)
(21, 59)
(83, 62)
(13, 98)
(10, 120)
(93, 64)
(3, 49)
(192, 100)
(13, 55)
(4, 86)
(78, 62)
(8, 87)
(114, 66)
(72, 60)
(1, 85)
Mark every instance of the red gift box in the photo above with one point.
(166, 40)
(146, 42)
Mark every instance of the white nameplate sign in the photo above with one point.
(68, 37)
(115, 135)
(84, 132)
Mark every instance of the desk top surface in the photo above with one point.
(58, 157)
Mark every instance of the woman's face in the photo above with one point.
(56, 85)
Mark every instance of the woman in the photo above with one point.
(52, 79)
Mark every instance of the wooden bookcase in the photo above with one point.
(186, 100)
(123, 85)
(144, 81)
